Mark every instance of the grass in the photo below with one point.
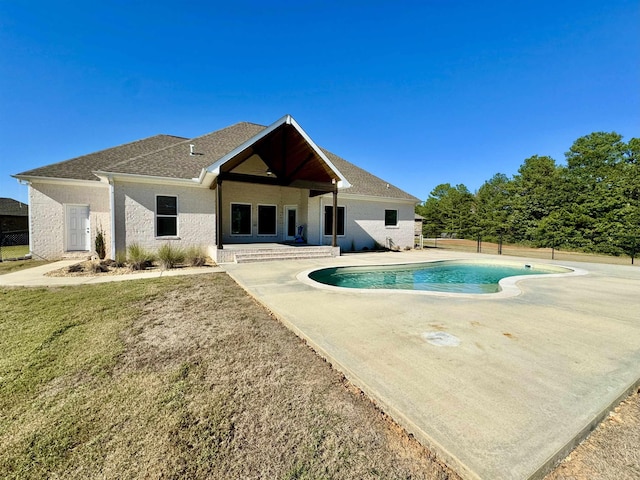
(138, 257)
(17, 251)
(183, 377)
(170, 256)
(15, 265)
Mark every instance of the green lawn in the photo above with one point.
(17, 251)
(14, 265)
(182, 377)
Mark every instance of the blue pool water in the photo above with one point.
(444, 276)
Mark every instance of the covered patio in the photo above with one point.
(278, 171)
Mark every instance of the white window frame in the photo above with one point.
(275, 209)
(250, 205)
(157, 215)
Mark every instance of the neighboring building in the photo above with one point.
(243, 184)
(419, 221)
(14, 215)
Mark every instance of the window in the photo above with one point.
(166, 216)
(267, 219)
(240, 219)
(328, 220)
(391, 218)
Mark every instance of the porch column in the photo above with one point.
(334, 227)
(219, 213)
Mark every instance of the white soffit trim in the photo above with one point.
(58, 180)
(131, 177)
(287, 119)
(343, 182)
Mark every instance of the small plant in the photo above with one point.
(121, 259)
(196, 256)
(139, 258)
(170, 256)
(101, 249)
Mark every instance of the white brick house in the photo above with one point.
(244, 184)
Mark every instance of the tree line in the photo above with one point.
(591, 203)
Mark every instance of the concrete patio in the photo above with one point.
(532, 375)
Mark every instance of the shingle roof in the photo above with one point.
(175, 161)
(81, 168)
(365, 183)
(169, 156)
(13, 208)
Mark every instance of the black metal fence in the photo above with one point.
(14, 244)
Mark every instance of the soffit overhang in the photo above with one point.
(282, 154)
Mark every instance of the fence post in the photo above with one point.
(1, 242)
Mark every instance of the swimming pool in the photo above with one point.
(451, 276)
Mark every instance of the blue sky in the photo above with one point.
(418, 93)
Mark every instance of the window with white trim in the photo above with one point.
(391, 218)
(240, 219)
(328, 220)
(166, 216)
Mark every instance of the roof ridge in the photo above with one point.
(226, 128)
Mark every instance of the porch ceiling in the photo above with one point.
(287, 159)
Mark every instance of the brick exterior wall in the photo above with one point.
(135, 205)
(135, 215)
(364, 222)
(47, 208)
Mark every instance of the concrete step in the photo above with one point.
(266, 255)
(77, 256)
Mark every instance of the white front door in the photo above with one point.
(77, 227)
(290, 219)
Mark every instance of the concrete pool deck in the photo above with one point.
(530, 378)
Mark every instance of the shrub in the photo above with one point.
(121, 259)
(139, 258)
(170, 256)
(196, 256)
(99, 244)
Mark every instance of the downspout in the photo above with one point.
(30, 218)
(112, 208)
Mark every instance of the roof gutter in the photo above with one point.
(75, 181)
(132, 177)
